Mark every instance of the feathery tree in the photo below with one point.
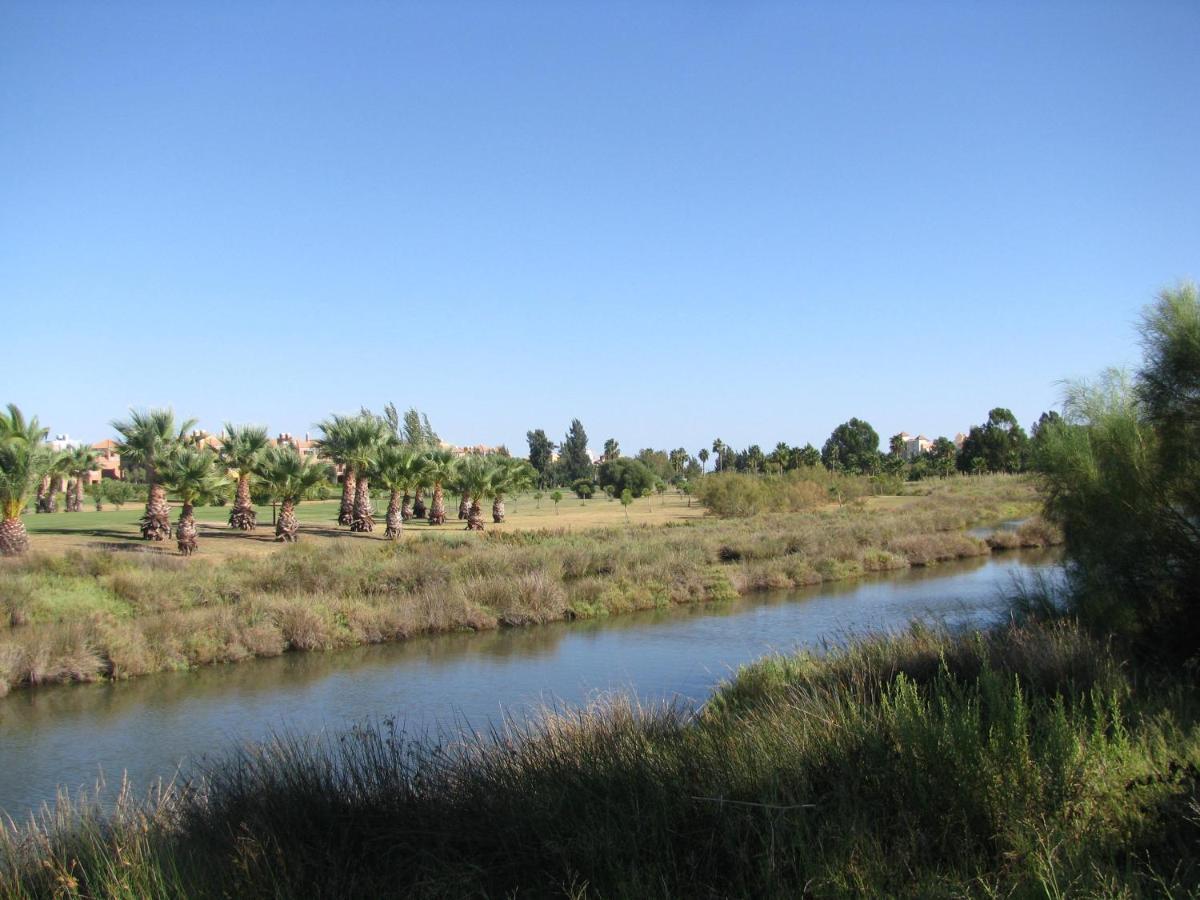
(195, 476)
(147, 438)
(1122, 477)
(241, 446)
(23, 461)
(416, 431)
(334, 445)
(290, 477)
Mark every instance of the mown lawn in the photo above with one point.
(118, 528)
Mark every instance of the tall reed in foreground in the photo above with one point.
(1018, 762)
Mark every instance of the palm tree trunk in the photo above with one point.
(79, 483)
(185, 531)
(346, 512)
(243, 514)
(437, 509)
(395, 522)
(498, 510)
(14, 540)
(69, 498)
(286, 526)
(406, 507)
(464, 507)
(475, 517)
(364, 519)
(156, 523)
(52, 493)
(43, 486)
(419, 509)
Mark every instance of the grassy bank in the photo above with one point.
(85, 615)
(1020, 762)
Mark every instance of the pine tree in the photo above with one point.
(573, 454)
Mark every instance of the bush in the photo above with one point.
(1122, 476)
(739, 494)
(627, 474)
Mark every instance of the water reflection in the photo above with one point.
(150, 726)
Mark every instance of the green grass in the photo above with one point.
(87, 614)
(1023, 762)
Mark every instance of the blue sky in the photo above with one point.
(673, 221)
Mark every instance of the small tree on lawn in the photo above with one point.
(557, 498)
(290, 478)
(195, 476)
(626, 500)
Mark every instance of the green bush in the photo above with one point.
(1122, 478)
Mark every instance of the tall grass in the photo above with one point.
(86, 615)
(1023, 762)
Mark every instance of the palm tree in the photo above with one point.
(719, 449)
(194, 474)
(241, 446)
(334, 446)
(290, 477)
(397, 467)
(509, 476)
(82, 461)
(23, 460)
(147, 439)
(59, 464)
(440, 466)
(474, 480)
(367, 434)
(464, 501)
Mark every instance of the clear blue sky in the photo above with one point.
(673, 221)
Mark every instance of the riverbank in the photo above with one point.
(1020, 761)
(88, 615)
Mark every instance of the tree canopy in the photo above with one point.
(573, 459)
(852, 447)
(999, 445)
(624, 474)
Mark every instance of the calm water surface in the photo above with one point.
(152, 727)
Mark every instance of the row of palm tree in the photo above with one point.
(368, 448)
(67, 471)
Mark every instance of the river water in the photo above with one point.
(150, 728)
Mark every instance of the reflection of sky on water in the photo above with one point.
(151, 725)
